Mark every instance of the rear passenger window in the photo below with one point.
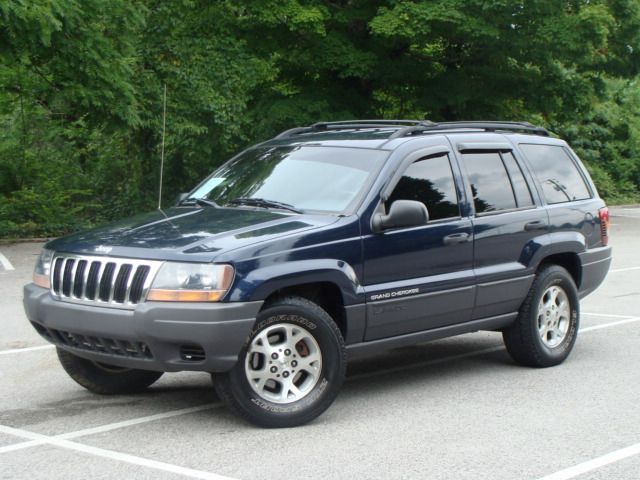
(431, 182)
(559, 175)
(497, 183)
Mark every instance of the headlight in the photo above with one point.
(190, 282)
(43, 269)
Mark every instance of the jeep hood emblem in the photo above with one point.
(103, 249)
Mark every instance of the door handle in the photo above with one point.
(536, 225)
(455, 238)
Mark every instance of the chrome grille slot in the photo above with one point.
(66, 278)
(105, 281)
(120, 288)
(79, 281)
(57, 268)
(137, 283)
(92, 281)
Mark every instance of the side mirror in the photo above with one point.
(181, 197)
(403, 213)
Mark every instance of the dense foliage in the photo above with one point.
(81, 86)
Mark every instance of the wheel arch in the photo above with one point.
(563, 249)
(331, 284)
(570, 261)
(326, 295)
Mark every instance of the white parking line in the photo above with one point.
(112, 426)
(62, 439)
(626, 269)
(28, 349)
(184, 411)
(113, 455)
(612, 324)
(609, 315)
(137, 421)
(4, 261)
(590, 465)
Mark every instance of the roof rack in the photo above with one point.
(372, 123)
(353, 125)
(409, 127)
(487, 126)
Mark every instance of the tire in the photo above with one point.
(546, 328)
(290, 369)
(103, 378)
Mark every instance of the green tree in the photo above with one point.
(81, 85)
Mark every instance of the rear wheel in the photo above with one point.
(103, 378)
(546, 329)
(290, 369)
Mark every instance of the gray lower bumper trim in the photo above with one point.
(220, 329)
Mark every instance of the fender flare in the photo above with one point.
(262, 282)
(551, 244)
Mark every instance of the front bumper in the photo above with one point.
(158, 336)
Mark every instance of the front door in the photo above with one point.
(421, 278)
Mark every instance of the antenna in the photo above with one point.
(164, 127)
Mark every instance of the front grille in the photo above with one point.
(105, 281)
(111, 346)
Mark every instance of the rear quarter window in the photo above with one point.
(558, 174)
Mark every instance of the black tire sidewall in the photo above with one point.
(270, 414)
(99, 380)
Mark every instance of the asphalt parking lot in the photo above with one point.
(452, 409)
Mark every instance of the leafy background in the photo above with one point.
(81, 86)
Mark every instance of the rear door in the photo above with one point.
(421, 278)
(509, 226)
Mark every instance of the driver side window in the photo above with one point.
(431, 182)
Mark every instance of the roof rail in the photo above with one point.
(352, 125)
(487, 126)
(409, 127)
(372, 123)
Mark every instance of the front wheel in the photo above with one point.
(290, 369)
(103, 378)
(546, 328)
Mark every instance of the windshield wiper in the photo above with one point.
(264, 203)
(200, 201)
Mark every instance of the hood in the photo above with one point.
(197, 233)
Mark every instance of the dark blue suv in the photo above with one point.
(329, 241)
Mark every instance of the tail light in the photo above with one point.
(603, 214)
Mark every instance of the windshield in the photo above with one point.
(329, 179)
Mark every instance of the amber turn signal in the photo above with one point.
(162, 295)
(41, 280)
